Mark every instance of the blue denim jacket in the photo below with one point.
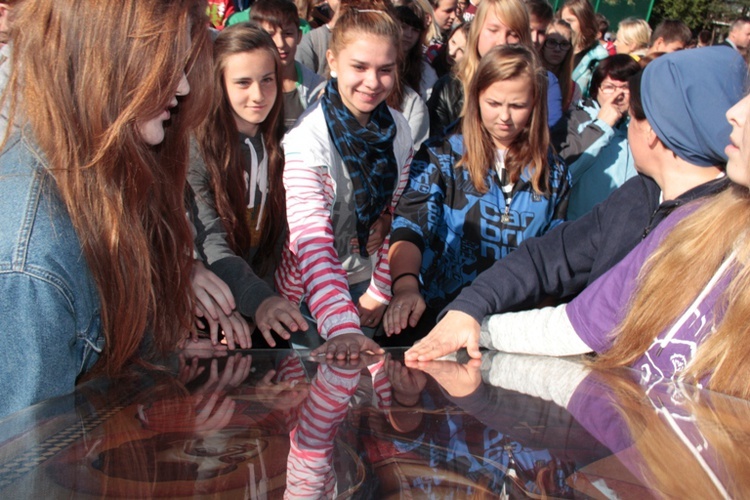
(49, 303)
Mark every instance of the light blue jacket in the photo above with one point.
(49, 305)
(598, 156)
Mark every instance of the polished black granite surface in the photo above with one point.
(276, 423)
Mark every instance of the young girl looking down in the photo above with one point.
(474, 197)
(347, 162)
(235, 172)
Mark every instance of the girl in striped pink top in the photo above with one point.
(347, 162)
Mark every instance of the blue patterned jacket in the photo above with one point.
(458, 229)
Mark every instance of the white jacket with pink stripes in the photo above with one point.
(310, 268)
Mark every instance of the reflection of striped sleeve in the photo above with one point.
(381, 384)
(310, 471)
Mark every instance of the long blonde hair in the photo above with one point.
(530, 146)
(512, 13)
(85, 73)
(699, 243)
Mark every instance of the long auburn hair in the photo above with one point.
(564, 71)
(530, 147)
(511, 13)
(85, 73)
(371, 17)
(221, 150)
(700, 242)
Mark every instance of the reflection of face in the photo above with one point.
(409, 36)
(152, 130)
(285, 38)
(553, 53)
(571, 19)
(738, 151)
(445, 14)
(538, 32)
(457, 46)
(366, 69)
(505, 108)
(250, 82)
(494, 33)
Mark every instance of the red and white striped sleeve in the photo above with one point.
(311, 254)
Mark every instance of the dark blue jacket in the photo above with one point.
(571, 256)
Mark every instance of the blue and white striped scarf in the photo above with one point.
(368, 155)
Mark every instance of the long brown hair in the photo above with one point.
(530, 146)
(85, 74)
(218, 139)
(700, 243)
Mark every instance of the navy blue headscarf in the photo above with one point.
(685, 97)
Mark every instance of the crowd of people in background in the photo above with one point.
(355, 174)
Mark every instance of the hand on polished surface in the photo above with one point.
(278, 315)
(210, 292)
(405, 309)
(234, 326)
(407, 383)
(370, 311)
(347, 346)
(457, 379)
(201, 348)
(454, 331)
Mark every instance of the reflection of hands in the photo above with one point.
(407, 383)
(370, 311)
(347, 346)
(279, 315)
(281, 395)
(235, 372)
(454, 331)
(404, 310)
(458, 380)
(378, 231)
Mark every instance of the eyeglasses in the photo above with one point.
(611, 89)
(554, 44)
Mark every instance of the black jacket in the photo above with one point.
(571, 256)
(445, 104)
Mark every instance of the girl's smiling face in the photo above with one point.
(366, 71)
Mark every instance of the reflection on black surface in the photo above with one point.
(273, 423)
